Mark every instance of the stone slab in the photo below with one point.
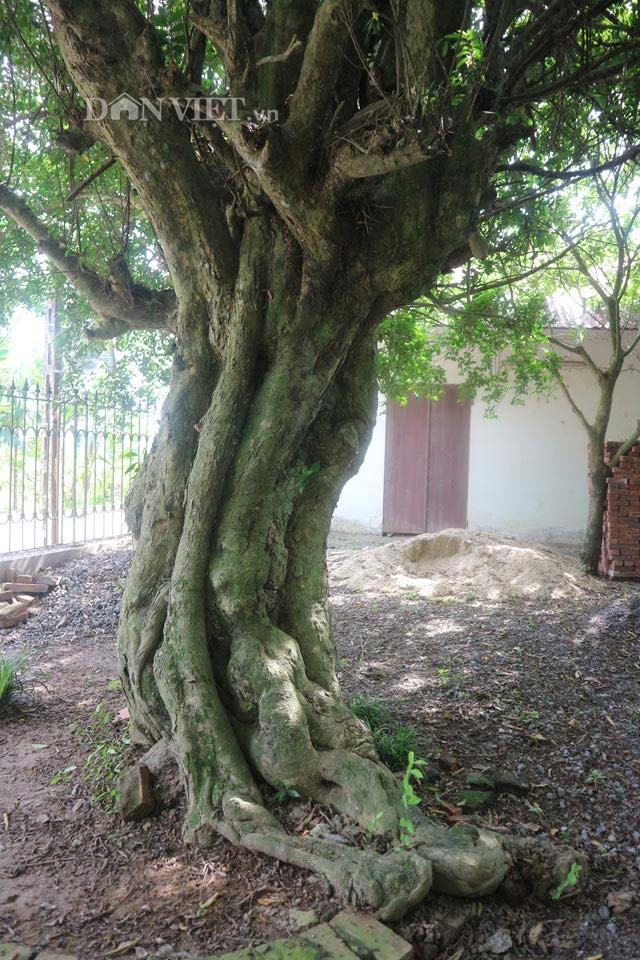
(16, 951)
(368, 938)
(349, 936)
(319, 943)
(328, 942)
(52, 955)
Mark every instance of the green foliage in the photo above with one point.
(516, 214)
(393, 741)
(373, 826)
(103, 224)
(596, 776)
(65, 775)
(12, 676)
(303, 474)
(493, 319)
(394, 745)
(283, 793)
(569, 881)
(374, 713)
(409, 797)
(108, 750)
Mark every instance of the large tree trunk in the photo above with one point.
(598, 468)
(225, 637)
(592, 542)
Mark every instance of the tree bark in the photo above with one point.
(225, 638)
(598, 472)
(598, 468)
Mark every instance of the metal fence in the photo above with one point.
(66, 462)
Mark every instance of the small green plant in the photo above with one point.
(373, 826)
(12, 675)
(449, 675)
(374, 713)
(596, 777)
(569, 881)
(392, 740)
(285, 793)
(409, 796)
(106, 757)
(395, 745)
(64, 776)
(303, 474)
(115, 684)
(443, 676)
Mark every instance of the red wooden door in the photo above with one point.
(426, 477)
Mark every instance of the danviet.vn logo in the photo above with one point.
(144, 109)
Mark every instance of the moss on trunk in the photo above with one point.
(225, 637)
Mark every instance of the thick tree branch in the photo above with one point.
(294, 46)
(624, 449)
(90, 179)
(581, 352)
(574, 406)
(323, 58)
(133, 308)
(630, 349)
(158, 155)
(545, 32)
(569, 174)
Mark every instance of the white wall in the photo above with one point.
(360, 503)
(528, 466)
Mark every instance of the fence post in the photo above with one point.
(52, 375)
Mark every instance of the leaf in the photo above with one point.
(621, 900)
(269, 901)
(208, 903)
(569, 881)
(123, 947)
(535, 933)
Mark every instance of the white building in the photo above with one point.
(527, 467)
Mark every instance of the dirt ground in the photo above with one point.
(546, 689)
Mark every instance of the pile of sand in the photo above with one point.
(462, 562)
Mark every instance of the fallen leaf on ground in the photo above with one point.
(621, 900)
(123, 947)
(535, 933)
(208, 903)
(499, 942)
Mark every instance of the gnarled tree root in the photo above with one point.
(463, 861)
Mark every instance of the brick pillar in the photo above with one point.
(620, 553)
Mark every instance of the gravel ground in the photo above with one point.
(546, 690)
